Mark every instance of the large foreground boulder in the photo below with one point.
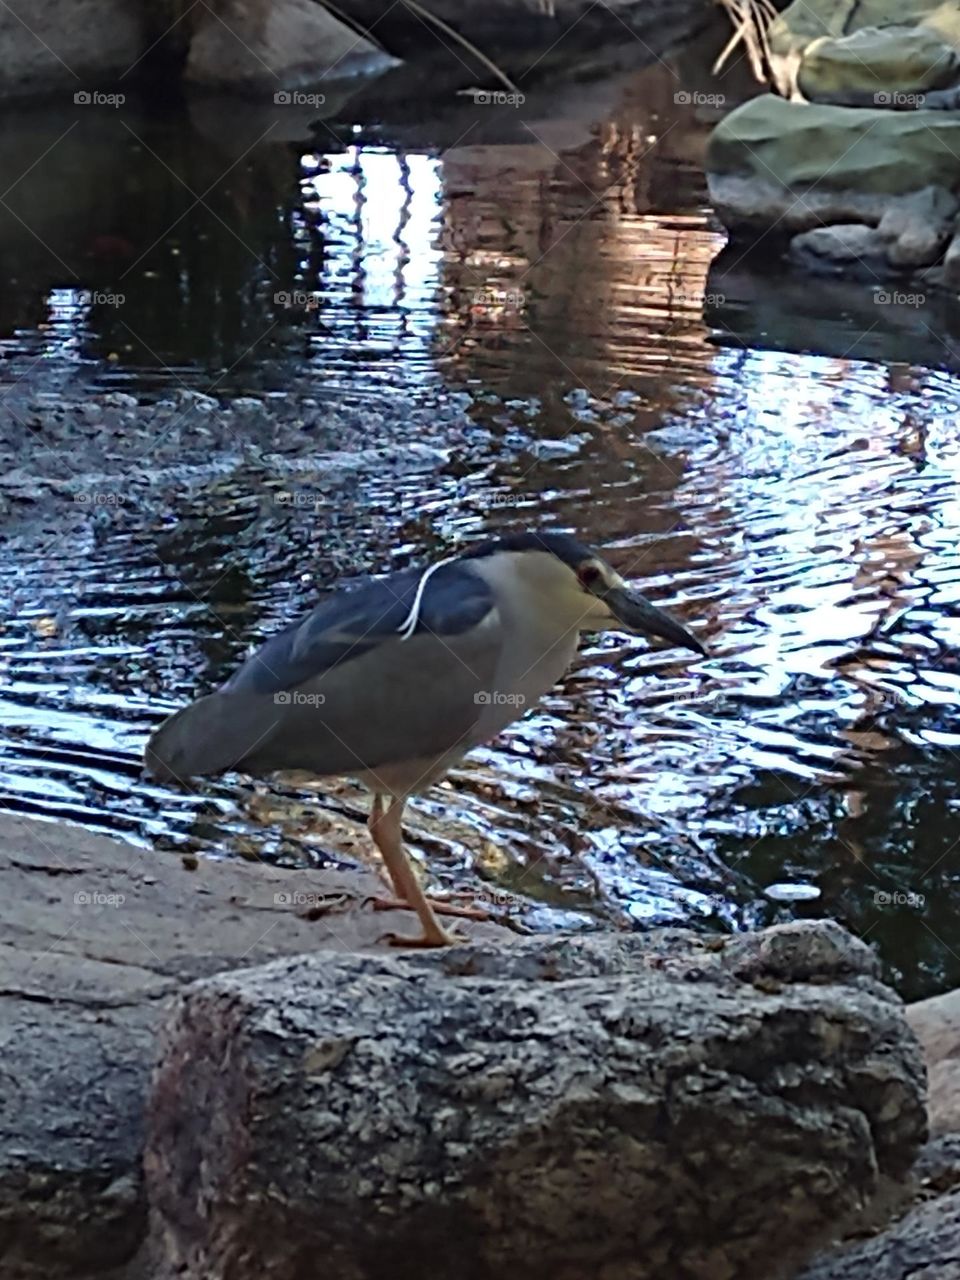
(631, 1108)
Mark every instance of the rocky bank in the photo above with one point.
(217, 1070)
(855, 168)
(262, 48)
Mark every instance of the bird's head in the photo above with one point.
(575, 584)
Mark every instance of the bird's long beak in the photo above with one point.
(636, 613)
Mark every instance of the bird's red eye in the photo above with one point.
(589, 576)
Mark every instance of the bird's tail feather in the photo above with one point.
(209, 736)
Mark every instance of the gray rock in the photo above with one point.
(751, 204)
(876, 66)
(806, 162)
(918, 226)
(936, 1024)
(806, 25)
(951, 264)
(796, 952)
(71, 1132)
(923, 1245)
(265, 45)
(624, 1107)
(840, 246)
(120, 400)
(91, 948)
(197, 400)
(938, 1165)
(73, 44)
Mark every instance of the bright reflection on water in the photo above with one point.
(376, 291)
(801, 510)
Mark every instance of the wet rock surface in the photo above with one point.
(506, 1094)
(845, 244)
(98, 936)
(625, 1106)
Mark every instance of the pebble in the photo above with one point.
(792, 892)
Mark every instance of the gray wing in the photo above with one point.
(345, 689)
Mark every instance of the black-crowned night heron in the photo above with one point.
(394, 681)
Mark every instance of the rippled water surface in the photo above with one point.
(781, 471)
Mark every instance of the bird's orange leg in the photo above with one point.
(385, 827)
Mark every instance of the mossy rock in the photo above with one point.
(803, 27)
(876, 66)
(812, 147)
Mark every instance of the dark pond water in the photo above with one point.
(776, 459)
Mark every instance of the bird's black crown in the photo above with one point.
(562, 545)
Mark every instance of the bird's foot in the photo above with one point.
(431, 938)
(441, 907)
